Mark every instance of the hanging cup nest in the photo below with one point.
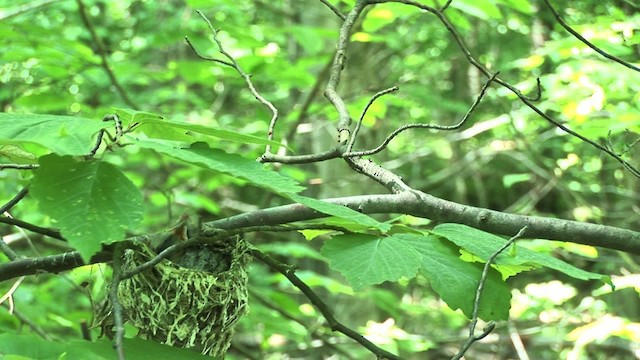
(193, 301)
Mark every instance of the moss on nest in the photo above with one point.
(194, 302)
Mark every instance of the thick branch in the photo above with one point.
(419, 204)
(414, 203)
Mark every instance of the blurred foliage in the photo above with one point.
(507, 158)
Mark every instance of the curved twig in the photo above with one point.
(334, 9)
(289, 272)
(476, 302)
(396, 132)
(364, 112)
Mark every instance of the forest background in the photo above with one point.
(87, 59)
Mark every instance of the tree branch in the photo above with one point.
(334, 324)
(411, 202)
(102, 53)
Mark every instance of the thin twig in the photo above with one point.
(476, 302)
(364, 112)
(247, 78)
(35, 228)
(587, 42)
(445, 6)
(156, 259)
(302, 159)
(25, 320)
(396, 132)
(335, 325)
(9, 294)
(102, 53)
(330, 92)
(118, 317)
(19, 166)
(313, 332)
(16, 199)
(334, 9)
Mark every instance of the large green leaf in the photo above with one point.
(33, 347)
(456, 281)
(483, 245)
(158, 127)
(64, 135)
(367, 259)
(92, 202)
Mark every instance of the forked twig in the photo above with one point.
(476, 302)
(396, 132)
(247, 78)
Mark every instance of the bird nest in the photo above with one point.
(193, 301)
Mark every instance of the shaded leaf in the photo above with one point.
(32, 347)
(92, 202)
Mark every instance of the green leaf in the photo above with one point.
(92, 202)
(63, 135)
(340, 211)
(456, 281)
(312, 234)
(176, 130)
(231, 164)
(367, 260)
(215, 159)
(483, 245)
(32, 347)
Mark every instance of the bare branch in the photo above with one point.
(35, 228)
(302, 159)
(102, 53)
(247, 78)
(19, 166)
(344, 119)
(411, 202)
(396, 132)
(16, 199)
(289, 272)
(118, 317)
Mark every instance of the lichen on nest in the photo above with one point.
(194, 302)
